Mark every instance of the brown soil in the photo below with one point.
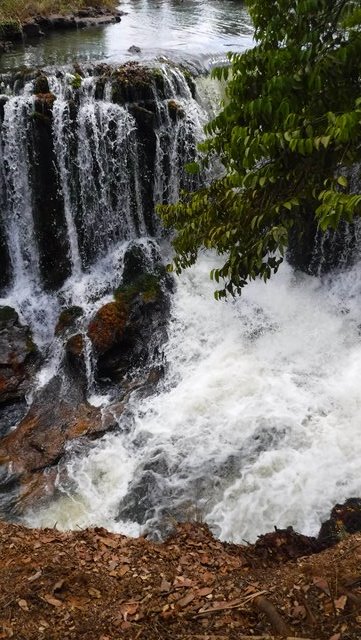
(100, 586)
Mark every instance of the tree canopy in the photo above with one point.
(289, 127)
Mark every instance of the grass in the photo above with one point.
(20, 10)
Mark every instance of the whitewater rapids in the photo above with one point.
(256, 423)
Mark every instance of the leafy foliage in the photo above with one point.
(289, 126)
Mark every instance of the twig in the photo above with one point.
(238, 604)
(310, 615)
(332, 597)
(278, 624)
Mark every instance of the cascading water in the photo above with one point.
(255, 424)
(82, 165)
(255, 420)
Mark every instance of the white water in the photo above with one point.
(257, 423)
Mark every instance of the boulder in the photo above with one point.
(128, 333)
(106, 330)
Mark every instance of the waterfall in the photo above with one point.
(253, 392)
(16, 184)
(84, 161)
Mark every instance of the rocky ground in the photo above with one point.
(101, 586)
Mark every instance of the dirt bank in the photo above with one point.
(100, 586)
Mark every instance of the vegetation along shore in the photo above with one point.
(33, 19)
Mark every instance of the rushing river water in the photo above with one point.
(179, 29)
(256, 421)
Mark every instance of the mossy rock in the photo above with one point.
(132, 82)
(8, 315)
(67, 319)
(76, 81)
(147, 286)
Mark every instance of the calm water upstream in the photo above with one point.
(178, 29)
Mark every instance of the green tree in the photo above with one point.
(289, 126)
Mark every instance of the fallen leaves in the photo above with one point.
(50, 599)
(35, 576)
(194, 588)
(23, 605)
(128, 609)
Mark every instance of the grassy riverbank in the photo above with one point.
(20, 10)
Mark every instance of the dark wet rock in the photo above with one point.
(10, 416)
(41, 85)
(68, 319)
(75, 361)
(19, 357)
(3, 101)
(316, 252)
(134, 49)
(142, 499)
(137, 262)
(31, 29)
(58, 415)
(147, 146)
(48, 206)
(344, 519)
(5, 263)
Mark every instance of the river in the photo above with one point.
(178, 29)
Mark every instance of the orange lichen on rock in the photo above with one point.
(75, 345)
(106, 329)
